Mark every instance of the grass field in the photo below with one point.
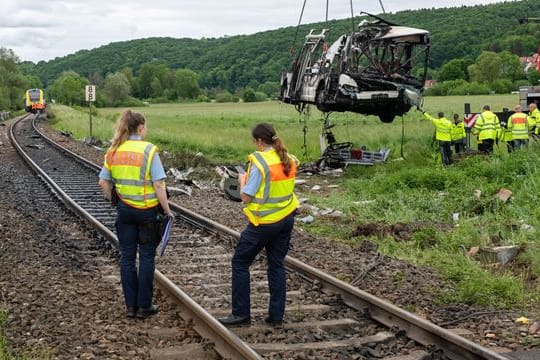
(416, 189)
(221, 131)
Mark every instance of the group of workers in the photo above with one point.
(133, 174)
(488, 129)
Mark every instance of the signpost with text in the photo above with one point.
(90, 97)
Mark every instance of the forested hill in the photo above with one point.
(232, 62)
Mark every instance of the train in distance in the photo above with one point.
(34, 101)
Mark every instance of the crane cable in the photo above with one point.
(382, 6)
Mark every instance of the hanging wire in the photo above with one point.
(326, 21)
(291, 50)
(382, 6)
(304, 112)
(402, 136)
(352, 16)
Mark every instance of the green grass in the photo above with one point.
(416, 189)
(221, 131)
(4, 353)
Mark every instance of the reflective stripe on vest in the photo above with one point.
(275, 198)
(130, 171)
(519, 126)
(485, 129)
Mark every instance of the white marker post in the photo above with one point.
(90, 96)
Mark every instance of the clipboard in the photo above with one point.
(166, 234)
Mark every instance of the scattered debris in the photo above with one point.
(4, 115)
(499, 254)
(229, 181)
(180, 175)
(378, 259)
(504, 194)
(523, 320)
(307, 219)
(473, 251)
(527, 228)
(184, 190)
(316, 188)
(477, 193)
(36, 146)
(535, 326)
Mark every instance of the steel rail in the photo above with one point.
(226, 342)
(418, 329)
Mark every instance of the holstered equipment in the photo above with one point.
(151, 231)
(114, 197)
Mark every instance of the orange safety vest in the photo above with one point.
(275, 198)
(129, 165)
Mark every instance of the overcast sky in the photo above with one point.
(43, 30)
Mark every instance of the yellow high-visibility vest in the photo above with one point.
(519, 126)
(275, 198)
(487, 126)
(130, 171)
(534, 120)
(458, 131)
(443, 127)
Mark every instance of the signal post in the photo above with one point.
(90, 97)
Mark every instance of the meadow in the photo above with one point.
(412, 187)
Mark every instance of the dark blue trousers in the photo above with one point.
(138, 286)
(275, 239)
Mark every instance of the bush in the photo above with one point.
(202, 98)
(224, 97)
(475, 88)
(249, 95)
(260, 96)
(501, 86)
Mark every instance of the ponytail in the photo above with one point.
(127, 124)
(283, 155)
(267, 134)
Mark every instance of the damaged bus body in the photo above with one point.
(369, 71)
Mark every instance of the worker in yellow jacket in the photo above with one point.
(443, 134)
(487, 129)
(534, 118)
(458, 134)
(518, 125)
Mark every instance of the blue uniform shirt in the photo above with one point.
(156, 167)
(253, 182)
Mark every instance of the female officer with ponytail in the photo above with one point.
(267, 190)
(133, 173)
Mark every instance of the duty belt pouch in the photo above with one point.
(150, 232)
(114, 197)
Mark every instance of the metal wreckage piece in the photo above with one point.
(369, 71)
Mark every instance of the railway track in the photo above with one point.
(325, 317)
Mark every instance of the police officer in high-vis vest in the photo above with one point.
(267, 190)
(518, 124)
(487, 128)
(534, 119)
(443, 133)
(458, 134)
(133, 178)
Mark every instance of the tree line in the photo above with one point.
(464, 40)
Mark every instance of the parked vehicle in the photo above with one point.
(369, 71)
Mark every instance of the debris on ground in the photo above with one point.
(498, 254)
(504, 195)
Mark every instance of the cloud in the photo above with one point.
(54, 28)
